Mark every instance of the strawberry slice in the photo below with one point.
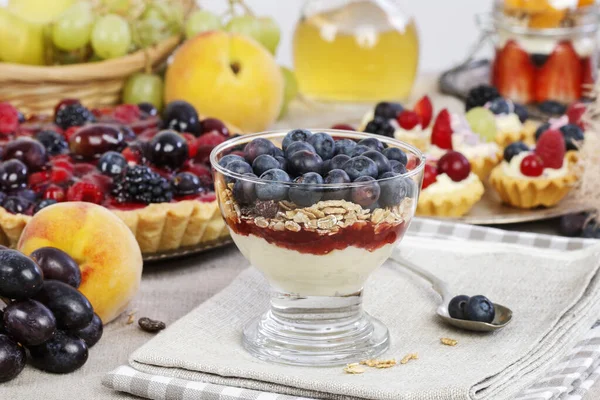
(424, 110)
(513, 73)
(441, 133)
(561, 76)
(551, 148)
(575, 113)
(588, 73)
(408, 119)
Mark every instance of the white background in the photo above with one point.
(447, 27)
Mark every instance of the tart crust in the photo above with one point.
(157, 227)
(526, 135)
(483, 166)
(530, 193)
(453, 204)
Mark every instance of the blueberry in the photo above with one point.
(456, 307)
(499, 106)
(229, 158)
(263, 163)
(552, 107)
(572, 224)
(297, 135)
(367, 193)
(480, 308)
(273, 191)
(282, 162)
(53, 141)
(323, 144)
(359, 150)
(186, 184)
(573, 135)
(43, 204)
(360, 166)
(591, 230)
(513, 149)
(258, 147)
(522, 112)
(304, 161)
(388, 110)
(394, 190)
(244, 191)
(338, 161)
(306, 196)
(15, 204)
(397, 167)
(111, 163)
(297, 146)
(541, 129)
(394, 153)
(372, 143)
(238, 167)
(277, 152)
(336, 177)
(345, 146)
(13, 174)
(26, 194)
(383, 164)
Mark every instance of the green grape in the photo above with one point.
(111, 36)
(246, 25)
(172, 12)
(73, 28)
(116, 6)
(270, 34)
(201, 21)
(144, 88)
(482, 121)
(290, 89)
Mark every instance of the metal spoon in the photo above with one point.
(501, 319)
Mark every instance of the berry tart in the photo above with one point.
(317, 211)
(450, 188)
(393, 120)
(572, 130)
(542, 176)
(150, 171)
(468, 136)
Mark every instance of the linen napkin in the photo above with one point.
(554, 295)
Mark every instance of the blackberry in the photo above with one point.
(480, 95)
(380, 126)
(73, 115)
(139, 184)
(388, 110)
(53, 141)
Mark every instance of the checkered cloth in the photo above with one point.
(570, 379)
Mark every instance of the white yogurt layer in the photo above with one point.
(444, 184)
(513, 169)
(338, 273)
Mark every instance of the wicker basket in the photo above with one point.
(37, 89)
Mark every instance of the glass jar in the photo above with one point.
(545, 50)
(355, 50)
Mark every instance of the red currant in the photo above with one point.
(429, 175)
(54, 192)
(455, 165)
(532, 165)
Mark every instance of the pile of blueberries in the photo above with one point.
(476, 308)
(308, 159)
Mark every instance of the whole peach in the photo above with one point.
(108, 255)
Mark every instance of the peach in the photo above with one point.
(105, 249)
(227, 76)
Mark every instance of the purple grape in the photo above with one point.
(31, 152)
(62, 354)
(92, 333)
(168, 150)
(12, 358)
(186, 184)
(71, 309)
(57, 265)
(20, 277)
(13, 175)
(29, 322)
(92, 141)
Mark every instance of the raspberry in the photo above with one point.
(551, 148)
(532, 165)
(429, 176)
(54, 192)
(211, 139)
(127, 113)
(192, 146)
(82, 169)
(38, 178)
(9, 118)
(60, 175)
(63, 163)
(70, 132)
(408, 119)
(140, 184)
(85, 191)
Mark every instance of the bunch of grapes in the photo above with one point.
(45, 314)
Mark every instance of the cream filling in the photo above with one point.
(513, 169)
(508, 123)
(338, 273)
(444, 184)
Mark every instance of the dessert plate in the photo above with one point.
(491, 211)
(186, 251)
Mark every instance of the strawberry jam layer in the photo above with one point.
(365, 236)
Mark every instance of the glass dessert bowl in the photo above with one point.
(316, 213)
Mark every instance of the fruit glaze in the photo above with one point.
(335, 200)
(125, 158)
